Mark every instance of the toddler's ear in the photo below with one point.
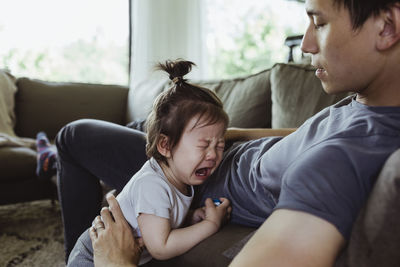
(163, 146)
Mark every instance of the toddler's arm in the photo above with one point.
(163, 242)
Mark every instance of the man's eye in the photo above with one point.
(317, 21)
(319, 25)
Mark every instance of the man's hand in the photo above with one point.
(112, 238)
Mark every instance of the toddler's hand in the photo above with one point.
(197, 216)
(220, 214)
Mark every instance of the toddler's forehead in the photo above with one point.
(198, 123)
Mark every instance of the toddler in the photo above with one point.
(185, 143)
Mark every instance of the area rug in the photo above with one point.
(31, 234)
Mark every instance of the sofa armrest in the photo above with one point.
(48, 106)
(245, 134)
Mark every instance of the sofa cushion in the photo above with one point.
(7, 95)
(17, 164)
(142, 94)
(216, 251)
(375, 236)
(48, 106)
(297, 95)
(247, 100)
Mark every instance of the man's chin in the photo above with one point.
(333, 90)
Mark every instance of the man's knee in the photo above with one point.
(70, 133)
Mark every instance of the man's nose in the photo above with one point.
(309, 43)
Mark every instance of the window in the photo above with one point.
(248, 36)
(66, 40)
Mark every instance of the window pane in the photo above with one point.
(66, 40)
(248, 36)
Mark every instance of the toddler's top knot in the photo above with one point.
(176, 69)
(177, 80)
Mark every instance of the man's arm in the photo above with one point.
(244, 134)
(292, 238)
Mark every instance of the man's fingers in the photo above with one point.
(97, 222)
(92, 234)
(115, 208)
(106, 216)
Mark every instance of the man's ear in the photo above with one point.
(163, 146)
(390, 29)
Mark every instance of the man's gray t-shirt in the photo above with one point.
(326, 168)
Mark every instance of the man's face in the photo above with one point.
(346, 58)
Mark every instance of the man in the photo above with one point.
(125, 250)
(316, 180)
(356, 51)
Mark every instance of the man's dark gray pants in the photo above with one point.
(90, 151)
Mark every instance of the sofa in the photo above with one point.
(44, 106)
(283, 96)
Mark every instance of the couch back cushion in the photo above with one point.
(142, 95)
(247, 100)
(297, 95)
(7, 95)
(48, 106)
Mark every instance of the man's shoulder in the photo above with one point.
(350, 119)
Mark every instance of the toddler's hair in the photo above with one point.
(174, 108)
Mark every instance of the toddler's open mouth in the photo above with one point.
(203, 172)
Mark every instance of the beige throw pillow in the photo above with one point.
(297, 95)
(247, 100)
(7, 102)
